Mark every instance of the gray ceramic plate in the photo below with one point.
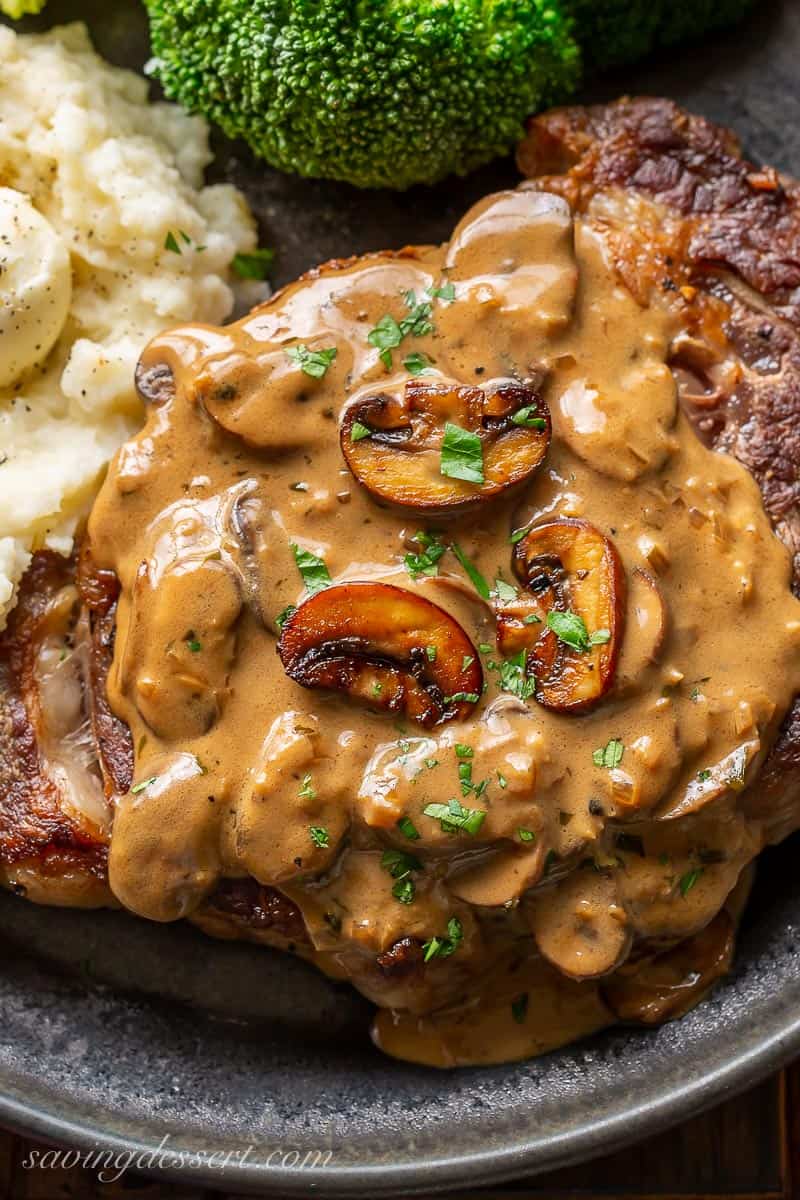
(116, 1034)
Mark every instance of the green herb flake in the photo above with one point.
(312, 569)
(443, 947)
(446, 292)
(704, 775)
(312, 362)
(688, 880)
(385, 337)
(518, 534)
(430, 653)
(427, 561)
(528, 417)
(531, 619)
(171, 243)
(514, 677)
(430, 763)
(571, 629)
(610, 755)
(319, 836)
(408, 828)
(253, 265)
(358, 432)
(519, 1008)
(476, 579)
(398, 863)
(504, 591)
(307, 790)
(463, 751)
(193, 644)
(501, 779)
(455, 818)
(462, 698)
(467, 661)
(405, 890)
(145, 783)
(462, 454)
(484, 648)
(526, 835)
(416, 363)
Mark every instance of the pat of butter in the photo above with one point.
(35, 286)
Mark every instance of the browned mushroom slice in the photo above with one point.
(664, 986)
(571, 618)
(580, 926)
(386, 646)
(398, 446)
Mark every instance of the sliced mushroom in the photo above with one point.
(580, 926)
(393, 443)
(667, 985)
(566, 566)
(386, 646)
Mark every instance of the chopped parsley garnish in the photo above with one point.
(570, 628)
(609, 755)
(443, 947)
(416, 363)
(312, 362)
(377, 688)
(504, 591)
(462, 454)
(400, 865)
(193, 644)
(514, 677)
(426, 562)
(408, 828)
(454, 818)
(171, 241)
(358, 432)
(307, 790)
(476, 579)
(484, 648)
(519, 1008)
(319, 836)
(462, 697)
(389, 333)
(688, 880)
(463, 751)
(531, 619)
(430, 763)
(284, 614)
(519, 534)
(430, 653)
(704, 775)
(501, 779)
(385, 337)
(313, 570)
(254, 265)
(526, 835)
(529, 418)
(139, 787)
(405, 890)
(446, 292)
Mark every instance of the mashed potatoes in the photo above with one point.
(107, 235)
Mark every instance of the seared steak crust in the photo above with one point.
(723, 242)
(36, 829)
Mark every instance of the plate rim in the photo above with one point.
(760, 1055)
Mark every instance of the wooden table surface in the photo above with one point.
(747, 1148)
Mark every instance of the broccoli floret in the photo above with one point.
(19, 8)
(382, 93)
(612, 32)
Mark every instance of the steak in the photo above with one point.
(683, 213)
(685, 219)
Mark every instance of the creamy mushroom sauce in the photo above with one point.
(576, 863)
